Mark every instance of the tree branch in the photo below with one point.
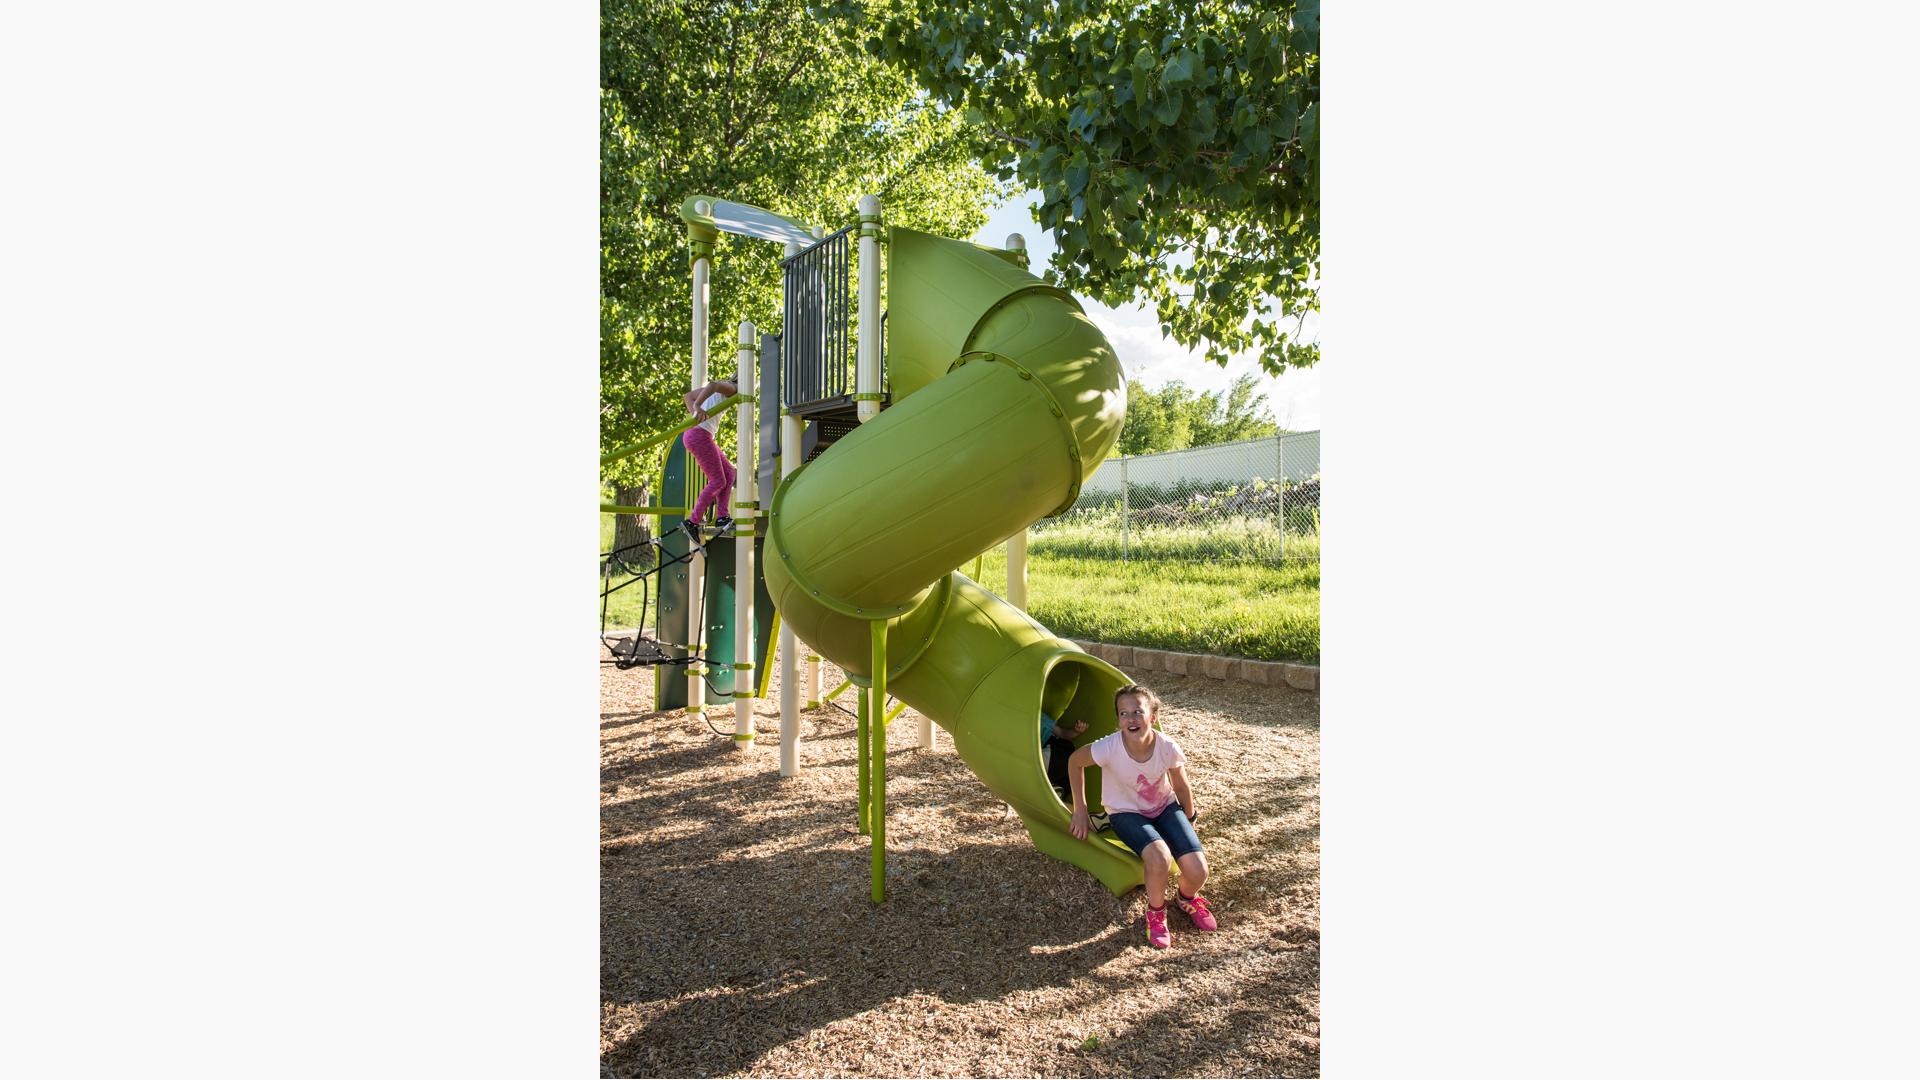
(766, 99)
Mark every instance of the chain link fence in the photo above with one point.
(1257, 500)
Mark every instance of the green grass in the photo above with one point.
(1254, 610)
(1187, 597)
(1234, 539)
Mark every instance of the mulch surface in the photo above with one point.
(738, 937)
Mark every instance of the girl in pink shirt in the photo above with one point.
(1143, 782)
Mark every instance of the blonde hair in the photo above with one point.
(1152, 699)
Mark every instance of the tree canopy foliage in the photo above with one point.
(752, 102)
(1175, 144)
(1176, 416)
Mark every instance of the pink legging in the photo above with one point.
(720, 475)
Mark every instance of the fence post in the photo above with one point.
(1125, 511)
(1280, 477)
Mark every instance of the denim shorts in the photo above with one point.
(1137, 830)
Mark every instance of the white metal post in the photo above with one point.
(867, 361)
(746, 380)
(697, 565)
(789, 643)
(813, 659)
(1017, 569)
(1126, 513)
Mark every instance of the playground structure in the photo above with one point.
(980, 400)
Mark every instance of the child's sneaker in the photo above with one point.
(723, 527)
(1196, 910)
(1158, 935)
(1100, 821)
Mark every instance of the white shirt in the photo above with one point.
(1138, 787)
(711, 423)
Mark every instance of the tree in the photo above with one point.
(1241, 413)
(1154, 423)
(1175, 144)
(747, 101)
(1176, 417)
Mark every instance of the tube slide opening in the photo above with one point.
(1080, 688)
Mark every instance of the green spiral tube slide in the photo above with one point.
(1005, 398)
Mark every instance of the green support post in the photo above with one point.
(766, 673)
(860, 768)
(877, 805)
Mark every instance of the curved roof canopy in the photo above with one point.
(742, 219)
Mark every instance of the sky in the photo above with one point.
(1150, 358)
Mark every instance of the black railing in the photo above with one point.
(816, 342)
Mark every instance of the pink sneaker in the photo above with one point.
(1196, 910)
(1157, 933)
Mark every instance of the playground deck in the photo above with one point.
(737, 936)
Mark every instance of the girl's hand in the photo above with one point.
(1081, 821)
(1079, 727)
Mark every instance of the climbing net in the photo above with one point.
(641, 650)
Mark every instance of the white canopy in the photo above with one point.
(741, 219)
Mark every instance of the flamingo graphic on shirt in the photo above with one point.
(1150, 794)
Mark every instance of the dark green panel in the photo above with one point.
(670, 588)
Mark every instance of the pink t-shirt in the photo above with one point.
(1132, 786)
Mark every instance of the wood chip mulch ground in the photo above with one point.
(738, 937)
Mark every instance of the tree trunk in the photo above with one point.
(631, 529)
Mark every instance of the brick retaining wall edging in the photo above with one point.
(1257, 672)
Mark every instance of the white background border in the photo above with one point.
(300, 349)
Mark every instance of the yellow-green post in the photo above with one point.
(877, 805)
(860, 754)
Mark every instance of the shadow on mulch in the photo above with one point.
(738, 935)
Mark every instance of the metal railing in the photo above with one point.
(816, 339)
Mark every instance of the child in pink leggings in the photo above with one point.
(700, 443)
